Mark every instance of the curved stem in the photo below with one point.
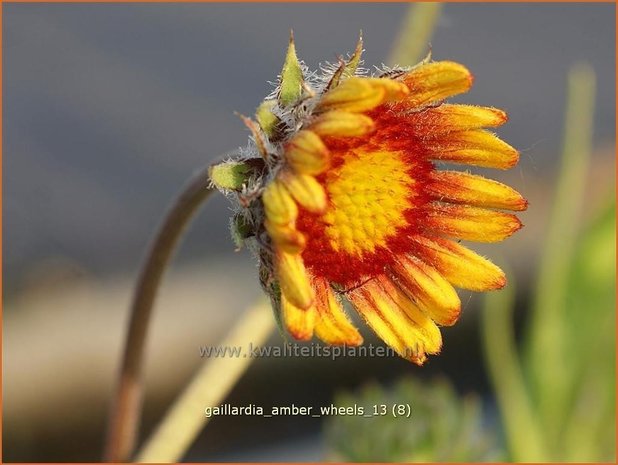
(124, 416)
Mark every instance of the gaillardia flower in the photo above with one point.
(340, 194)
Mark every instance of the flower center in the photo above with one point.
(373, 208)
(368, 195)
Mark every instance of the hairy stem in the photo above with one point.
(127, 402)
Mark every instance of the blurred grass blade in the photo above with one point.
(416, 31)
(547, 353)
(210, 386)
(523, 433)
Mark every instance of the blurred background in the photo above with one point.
(108, 109)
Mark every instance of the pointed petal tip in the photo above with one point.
(500, 282)
(494, 282)
(471, 79)
(454, 320)
(522, 204)
(355, 342)
(299, 321)
(510, 158)
(418, 354)
(501, 116)
(453, 316)
(517, 224)
(300, 335)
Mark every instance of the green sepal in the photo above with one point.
(273, 290)
(230, 175)
(265, 117)
(347, 69)
(275, 300)
(291, 85)
(241, 230)
(352, 64)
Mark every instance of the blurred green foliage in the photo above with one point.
(583, 430)
(557, 394)
(589, 432)
(442, 427)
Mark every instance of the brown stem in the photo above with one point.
(127, 402)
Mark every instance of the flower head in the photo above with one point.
(343, 199)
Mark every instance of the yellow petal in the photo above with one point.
(447, 118)
(433, 82)
(294, 280)
(459, 265)
(429, 289)
(298, 322)
(342, 124)
(393, 90)
(471, 223)
(333, 326)
(279, 205)
(306, 190)
(286, 237)
(354, 95)
(475, 147)
(397, 321)
(306, 153)
(423, 323)
(456, 187)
